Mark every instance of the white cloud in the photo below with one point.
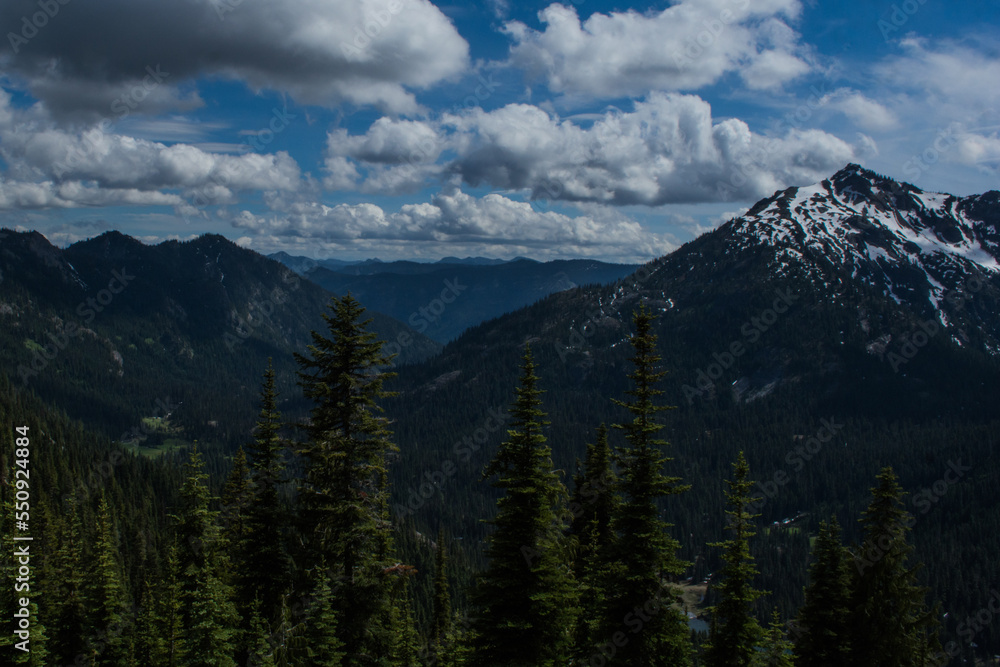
(667, 150)
(74, 194)
(454, 220)
(323, 52)
(862, 110)
(689, 45)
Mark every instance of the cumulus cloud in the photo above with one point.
(862, 110)
(323, 52)
(47, 166)
(687, 46)
(667, 150)
(454, 219)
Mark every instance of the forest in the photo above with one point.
(297, 551)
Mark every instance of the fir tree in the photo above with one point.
(776, 650)
(268, 567)
(593, 506)
(735, 631)
(824, 620)
(441, 621)
(208, 615)
(525, 598)
(111, 633)
(344, 493)
(891, 625)
(645, 556)
(320, 644)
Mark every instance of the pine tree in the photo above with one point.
(891, 625)
(441, 621)
(776, 650)
(735, 631)
(322, 647)
(344, 494)
(111, 633)
(645, 556)
(208, 615)
(824, 620)
(525, 598)
(593, 506)
(268, 568)
(64, 575)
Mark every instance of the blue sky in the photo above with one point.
(406, 129)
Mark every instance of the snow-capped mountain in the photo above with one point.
(932, 252)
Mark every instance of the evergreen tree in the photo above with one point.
(268, 568)
(735, 631)
(824, 619)
(208, 615)
(111, 633)
(441, 621)
(322, 647)
(344, 493)
(525, 598)
(64, 574)
(593, 506)
(891, 625)
(645, 556)
(777, 649)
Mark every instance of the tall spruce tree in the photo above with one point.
(344, 493)
(208, 614)
(823, 622)
(593, 505)
(525, 598)
(776, 649)
(735, 632)
(891, 624)
(111, 632)
(268, 572)
(645, 555)
(441, 620)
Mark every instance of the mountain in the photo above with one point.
(192, 322)
(443, 300)
(830, 331)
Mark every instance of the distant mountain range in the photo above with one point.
(444, 298)
(107, 326)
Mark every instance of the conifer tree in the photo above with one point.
(645, 556)
(824, 620)
(525, 598)
(891, 625)
(208, 615)
(344, 492)
(735, 631)
(776, 649)
(322, 647)
(64, 586)
(110, 634)
(441, 621)
(592, 507)
(268, 570)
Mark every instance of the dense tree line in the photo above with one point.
(296, 560)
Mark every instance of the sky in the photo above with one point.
(404, 129)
